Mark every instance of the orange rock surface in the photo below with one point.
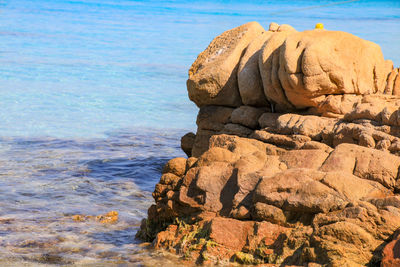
(108, 218)
(296, 157)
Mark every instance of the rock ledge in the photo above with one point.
(296, 156)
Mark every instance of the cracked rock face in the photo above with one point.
(313, 64)
(289, 69)
(296, 161)
(341, 206)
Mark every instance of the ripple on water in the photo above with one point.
(43, 182)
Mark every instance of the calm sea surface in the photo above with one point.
(93, 102)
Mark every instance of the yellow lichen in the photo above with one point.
(245, 258)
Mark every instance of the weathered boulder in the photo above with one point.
(213, 76)
(392, 85)
(236, 129)
(298, 191)
(210, 120)
(175, 166)
(311, 126)
(364, 162)
(187, 143)
(316, 63)
(340, 206)
(273, 27)
(295, 130)
(247, 116)
(249, 78)
(301, 69)
(316, 184)
(308, 158)
(201, 141)
(213, 118)
(269, 66)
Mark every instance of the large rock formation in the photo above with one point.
(213, 76)
(306, 172)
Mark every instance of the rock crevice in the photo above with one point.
(296, 157)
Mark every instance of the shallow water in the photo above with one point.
(93, 102)
(44, 182)
(83, 67)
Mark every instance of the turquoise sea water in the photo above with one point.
(93, 101)
(82, 68)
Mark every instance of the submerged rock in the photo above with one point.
(110, 217)
(316, 184)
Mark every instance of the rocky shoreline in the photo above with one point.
(296, 156)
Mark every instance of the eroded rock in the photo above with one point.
(249, 78)
(296, 157)
(213, 76)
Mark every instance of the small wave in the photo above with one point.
(45, 181)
